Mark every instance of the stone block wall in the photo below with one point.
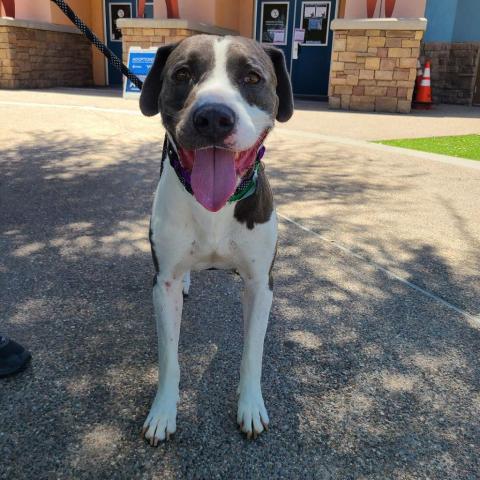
(39, 58)
(454, 70)
(374, 69)
(146, 33)
(151, 37)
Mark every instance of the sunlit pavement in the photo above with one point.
(371, 365)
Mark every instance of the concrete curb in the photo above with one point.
(434, 157)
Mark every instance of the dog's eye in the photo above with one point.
(182, 75)
(251, 78)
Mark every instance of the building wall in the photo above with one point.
(194, 10)
(467, 22)
(453, 21)
(81, 7)
(33, 10)
(452, 43)
(403, 9)
(91, 12)
(454, 70)
(28, 64)
(96, 24)
(245, 26)
(441, 20)
(232, 14)
(235, 15)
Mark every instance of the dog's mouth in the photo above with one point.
(215, 171)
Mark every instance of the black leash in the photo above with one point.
(112, 58)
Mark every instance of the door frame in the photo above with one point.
(106, 28)
(104, 11)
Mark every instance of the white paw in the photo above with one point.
(186, 284)
(161, 422)
(252, 416)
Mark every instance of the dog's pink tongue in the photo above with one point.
(213, 177)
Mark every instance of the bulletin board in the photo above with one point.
(315, 20)
(274, 23)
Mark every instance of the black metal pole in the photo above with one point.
(112, 58)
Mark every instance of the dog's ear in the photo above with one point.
(149, 96)
(284, 86)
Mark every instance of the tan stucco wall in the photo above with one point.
(33, 10)
(91, 12)
(96, 24)
(403, 9)
(232, 14)
(81, 7)
(245, 26)
(193, 10)
(235, 15)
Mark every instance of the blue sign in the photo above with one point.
(139, 63)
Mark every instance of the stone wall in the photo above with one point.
(454, 70)
(151, 37)
(374, 69)
(146, 33)
(35, 55)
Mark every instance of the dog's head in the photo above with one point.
(218, 97)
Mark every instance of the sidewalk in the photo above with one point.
(314, 117)
(441, 120)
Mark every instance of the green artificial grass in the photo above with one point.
(464, 146)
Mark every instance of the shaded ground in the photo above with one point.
(363, 376)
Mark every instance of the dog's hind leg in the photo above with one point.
(168, 304)
(257, 300)
(186, 284)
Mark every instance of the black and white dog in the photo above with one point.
(213, 207)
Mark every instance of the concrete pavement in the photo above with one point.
(371, 365)
(309, 116)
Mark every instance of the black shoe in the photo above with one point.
(13, 357)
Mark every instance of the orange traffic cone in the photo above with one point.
(423, 97)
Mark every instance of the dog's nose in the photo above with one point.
(214, 120)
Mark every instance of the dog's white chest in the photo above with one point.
(192, 237)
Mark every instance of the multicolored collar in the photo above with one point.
(246, 187)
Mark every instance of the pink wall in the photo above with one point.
(403, 8)
(194, 10)
(33, 10)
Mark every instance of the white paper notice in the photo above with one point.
(278, 36)
(299, 35)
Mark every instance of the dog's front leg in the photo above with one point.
(168, 303)
(257, 300)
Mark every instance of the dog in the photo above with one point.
(213, 208)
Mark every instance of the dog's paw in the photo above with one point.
(252, 416)
(186, 284)
(161, 422)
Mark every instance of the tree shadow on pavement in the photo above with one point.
(363, 377)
